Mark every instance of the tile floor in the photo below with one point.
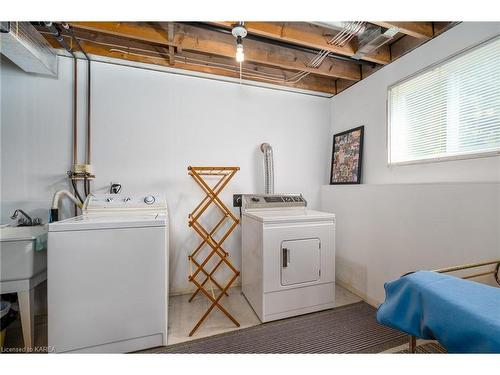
(183, 316)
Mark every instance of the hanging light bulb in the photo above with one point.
(240, 55)
(239, 32)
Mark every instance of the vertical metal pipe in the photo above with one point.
(88, 156)
(86, 181)
(75, 127)
(75, 111)
(89, 128)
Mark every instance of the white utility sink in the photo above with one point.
(23, 266)
(23, 252)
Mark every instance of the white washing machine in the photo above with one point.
(288, 256)
(108, 276)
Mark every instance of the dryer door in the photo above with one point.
(300, 261)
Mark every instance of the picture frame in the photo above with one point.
(347, 157)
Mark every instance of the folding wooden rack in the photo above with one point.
(201, 175)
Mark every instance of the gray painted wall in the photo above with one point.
(148, 126)
(410, 217)
(384, 231)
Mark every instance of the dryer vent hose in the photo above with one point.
(268, 168)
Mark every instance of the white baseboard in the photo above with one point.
(359, 293)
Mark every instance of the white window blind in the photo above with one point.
(449, 110)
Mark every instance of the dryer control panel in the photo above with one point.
(251, 201)
(96, 203)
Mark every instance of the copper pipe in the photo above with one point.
(75, 129)
(89, 128)
(88, 156)
(89, 133)
(75, 112)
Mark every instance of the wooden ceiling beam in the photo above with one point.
(146, 33)
(309, 35)
(209, 64)
(343, 85)
(419, 30)
(208, 41)
(195, 48)
(187, 37)
(442, 26)
(404, 45)
(171, 48)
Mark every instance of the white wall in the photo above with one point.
(148, 126)
(365, 104)
(422, 216)
(384, 231)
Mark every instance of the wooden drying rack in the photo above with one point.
(200, 175)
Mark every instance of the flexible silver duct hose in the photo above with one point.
(268, 168)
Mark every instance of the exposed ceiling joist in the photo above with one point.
(307, 34)
(342, 85)
(404, 45)
(419, 30)
(292, 54)
(191, 38)
(227, 67)
(171, 48)
(442, 26)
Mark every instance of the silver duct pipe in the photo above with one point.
(268, 168)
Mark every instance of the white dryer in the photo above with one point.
(108, 276)
(288, 256)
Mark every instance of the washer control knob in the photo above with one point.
(149, 199)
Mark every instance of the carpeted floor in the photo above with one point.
(429, 348)
(347, 329)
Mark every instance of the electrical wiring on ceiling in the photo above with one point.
(348, 32)
(190, 60)
(344, 36)
(245, 73)
(351, 30)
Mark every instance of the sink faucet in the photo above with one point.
(28, 221)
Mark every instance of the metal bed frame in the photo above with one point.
(412, 340)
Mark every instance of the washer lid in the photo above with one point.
(289, 215)
(85, 222)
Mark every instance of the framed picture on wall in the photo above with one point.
(347, 155)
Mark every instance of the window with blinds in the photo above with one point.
(451, 110)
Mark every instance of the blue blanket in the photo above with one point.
(464, 316)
